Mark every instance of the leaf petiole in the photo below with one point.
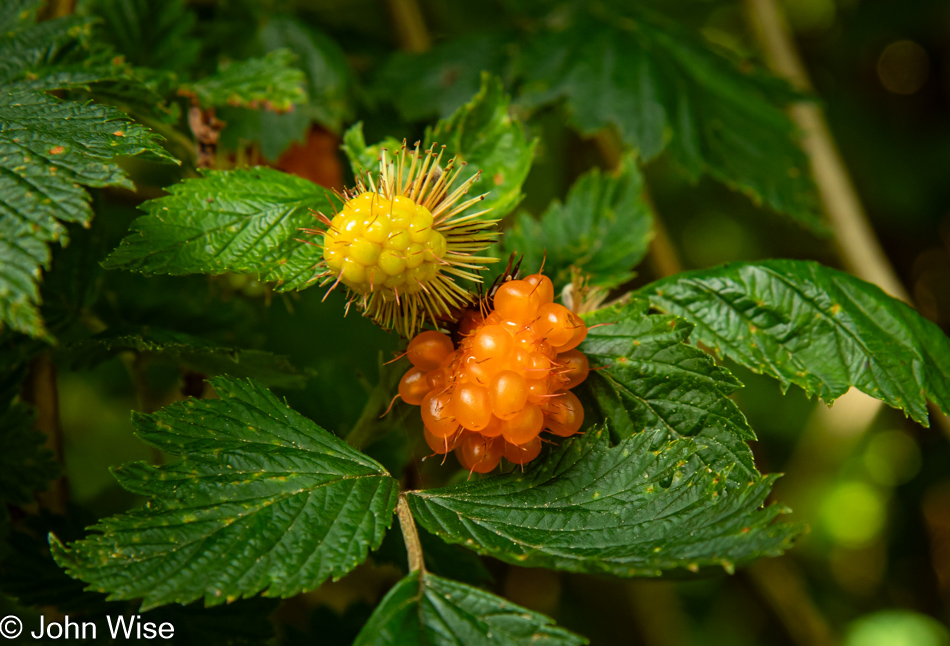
(410, 535)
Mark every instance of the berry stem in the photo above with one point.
(410, 535)
(368, 427)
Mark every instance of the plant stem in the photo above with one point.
(57, 9)
(861, 253)
(858, 246)
(368, 424)
(410, 535)
(411, 29)
(782, 586)
(662, 258)
(41, 391)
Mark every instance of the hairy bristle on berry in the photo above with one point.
(400, 242)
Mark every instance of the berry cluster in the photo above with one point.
(508, 380)
(380, 244)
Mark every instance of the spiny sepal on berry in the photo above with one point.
(401, 240)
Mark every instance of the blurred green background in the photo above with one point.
(875, 568)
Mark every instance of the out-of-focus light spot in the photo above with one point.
(853, 513)
(810, 16)
(897, 628)
(903, 67)
(892, 458)
(851, 414)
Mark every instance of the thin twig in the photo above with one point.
(410, 535)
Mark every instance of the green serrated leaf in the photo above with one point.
(26, 49)
(263, 499)
(816, 327)
(438, 82)
(636, 509)
(191, 352)
(245, 221)
(270, 82)
(50, 150)
(663, 88)
(483, 134)
(26, 465)
(603, 228)
(426, 609)
(651, 378)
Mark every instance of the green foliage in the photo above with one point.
(244, 221)
(26, 465)
(603, 228)
(816, 327)
(269, 82)
(192, 353)
(483, 135)
(364, 158)
(327, 73)
(29, 574)
(438, 82)
(636, 509)
(426, 609)
(149, 34)
(263, 499)
(17, 11)
(662, 88)
(50, 150)
(652, 379)
(328, 86)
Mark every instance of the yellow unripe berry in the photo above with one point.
(402, 242)
(393, 236)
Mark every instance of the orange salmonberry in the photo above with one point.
(506, 382)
